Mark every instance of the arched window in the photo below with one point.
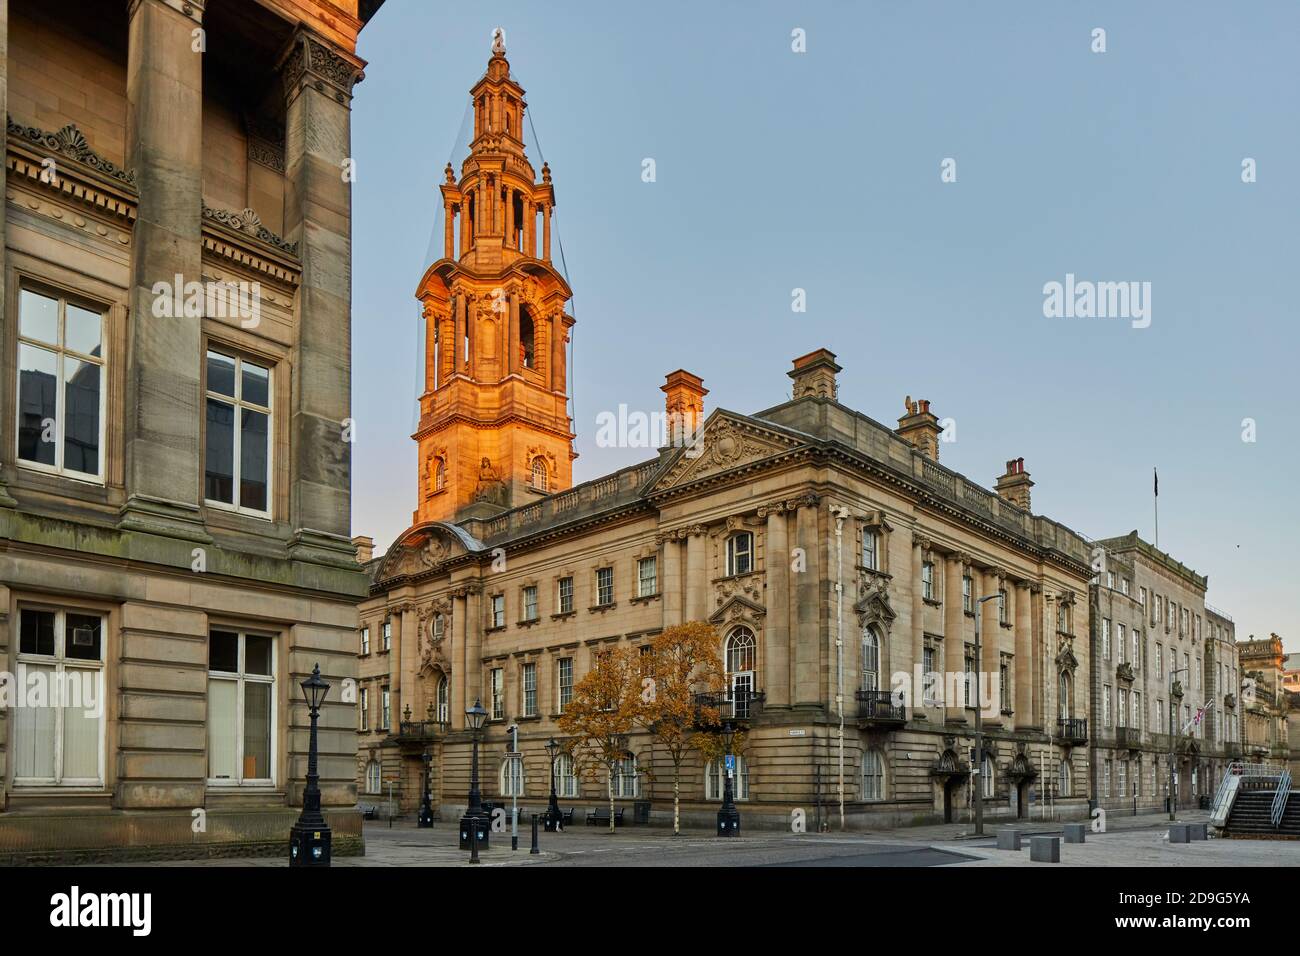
(526, 337)
(624, 781)
(444, 692)
(870, 659)
(512, 777)
(873, 775)
(1066, 687)
(986, 776)
(566, 778)
(541, 480)
(439, 474)
(372, 776)
(741, 653)
(740, 553)
(715, 779)
(1063, 780)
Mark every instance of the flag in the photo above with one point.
(1155, 478)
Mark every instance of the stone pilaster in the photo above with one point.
(672, 586)
(954, 633)
(1024, 676)
(917, 636)
(461, 625)
(777, 622)
(697, 575)
(318, 80)
(805, 636)
(164, 146)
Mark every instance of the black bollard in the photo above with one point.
(534, 847)
(473, 841)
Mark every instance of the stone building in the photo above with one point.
(1158, 691)
(173, 208)
(837, 558)
(1267, 703)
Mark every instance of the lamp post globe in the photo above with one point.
(474, 820)
(310, 836)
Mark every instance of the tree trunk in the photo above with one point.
(610, 789)
(677, 803)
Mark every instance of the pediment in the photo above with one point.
(737, 608)
(424, 548)
(873, 607)
(725, 442)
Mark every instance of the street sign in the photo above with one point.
(512, 755)
(731, 762)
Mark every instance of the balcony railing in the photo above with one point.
(880, 707)
(737, 705)
(1074, 729)
(422, 729)
(1127, 737)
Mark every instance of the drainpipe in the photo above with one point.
(841, 513)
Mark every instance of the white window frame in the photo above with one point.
(740, 553)
(604, 587)
(60, 662)
(870, 549)
(497, 693)
(566, 778)
(442, 700)
(365, 641)
(237, 401)
(647, 585)
(625, 769)
(375, 786)
(870, 659)
(563, 596)
(927, 580)
(873, 760)
(563, 689)
(498, 610)
(61, 351)
(530, 602)
(715, 782)
(527, 677)
(363, 708)
(242, 680)
(511, 780)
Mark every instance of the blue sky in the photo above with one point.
(821, 171)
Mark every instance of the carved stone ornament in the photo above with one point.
(312, 62)
(249, 223)
(71, 144)
(873, 606)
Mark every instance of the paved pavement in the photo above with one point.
(1129, 841)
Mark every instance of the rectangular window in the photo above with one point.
(1110, 580)
(388, 635)
(1142, 597)
(60, 385)
(237, 459)
(970, 671)
(530, 690)
(1160, 661)
(565, 591)
(363, 708)
(1105, 706)
(1121, 716)
(869, 550)
(1197, 672)
(927, 581)
(927, 681)
(1136, 659)
(967, 604)
(365, 641)
(565, 683)
(1123, 585)
(1004, 686)
(647, 577)
(241, 708)
(740, 553)
(530, 603)
(59, 741)
(498, 694)
(1106, 778)
(385, 709)
(1002, 606)
(1137, 711)
(1122, 779)
(498, 610)
(604, 586)
(1119, 642)
(1105, 638)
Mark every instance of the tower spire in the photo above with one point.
(494, 427)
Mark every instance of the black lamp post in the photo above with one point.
(474, 819)
(552, 821)
(309, 839)
(425, 819)
(728, 816)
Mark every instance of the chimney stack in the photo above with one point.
(1015, 484)
(814, 375)
(684, 401)
(920, 426)
(365, 548)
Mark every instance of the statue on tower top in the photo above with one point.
(499, 42)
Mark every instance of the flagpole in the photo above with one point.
(1155, 488)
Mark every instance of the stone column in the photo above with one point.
(409, 661)
(395, 668)
(697, 574)
(510, 218)
(1024, 674)
(954, 632)
(673, 597)
(512, 338)
(449, 230)
(807, 611)
(990, 626)
(776, 555)
(318, 80)
(462, 323)
(474, 644)
(559, 367)
(919, 544)
(164, 146)
(546, 232)
(460, 629)
(6, 501)
(530, 227)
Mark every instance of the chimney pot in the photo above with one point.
(365, 548)
(815, 374)
(1015, 484)
(920, 427)
(684, 403)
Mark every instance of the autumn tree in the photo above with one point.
(683, 662)
(602, 712)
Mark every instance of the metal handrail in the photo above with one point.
(1280, 798)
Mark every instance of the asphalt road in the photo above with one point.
(788, 851)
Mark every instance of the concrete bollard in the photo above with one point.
(1180, 833)
(1044, 849)
(1008, 839)
(1197, 831)
(1074, 832)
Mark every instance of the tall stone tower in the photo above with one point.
(494, 427)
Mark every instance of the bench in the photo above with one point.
(601, 815)
(370, 812)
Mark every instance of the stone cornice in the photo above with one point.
(190, 9)
(249, 223)
(69, 143)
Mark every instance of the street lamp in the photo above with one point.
(1173, 741)
(553, 816)
(728, 816)
(309, 838)
(979, 722)
(425, 820)
(474, 816)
